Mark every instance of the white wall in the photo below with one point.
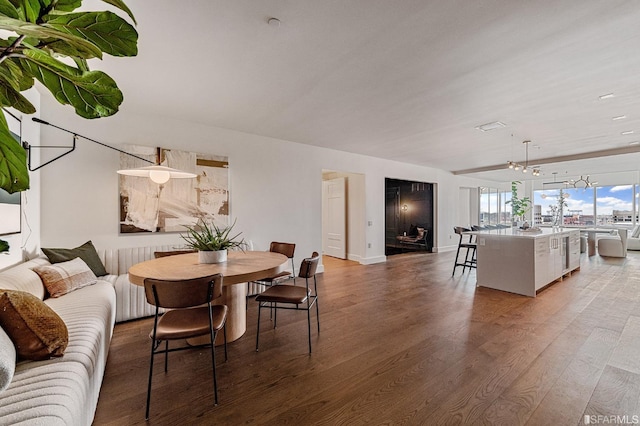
(276, 185)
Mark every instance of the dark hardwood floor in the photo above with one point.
(405, 343)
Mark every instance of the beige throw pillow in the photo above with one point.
(62, 278)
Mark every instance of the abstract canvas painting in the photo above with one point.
(148, 207)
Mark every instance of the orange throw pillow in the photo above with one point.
(34, 328)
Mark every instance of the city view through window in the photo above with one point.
(598, 206)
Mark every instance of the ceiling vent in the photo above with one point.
(491, 126)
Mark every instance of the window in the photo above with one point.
(614, 205)
(505, 208)
(601, 206)
(579, 207)
(544, 202)
(488, 206)
(494, 209)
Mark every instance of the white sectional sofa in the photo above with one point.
(633, 242)
(130, 299)
(65, 390)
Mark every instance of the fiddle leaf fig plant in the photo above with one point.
(519, 206)
(42, 33)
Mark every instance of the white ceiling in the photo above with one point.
(407, 80)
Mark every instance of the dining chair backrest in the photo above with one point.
(183, 293)
(159, 254)
(309, 266)
(286, 249)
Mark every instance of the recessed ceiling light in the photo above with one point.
(607, 96)
(619, 117)
(634, 143)
(274, 22)
(627, 132)
(491, 126)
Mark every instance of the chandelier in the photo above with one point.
(525, 168)
(582, 182)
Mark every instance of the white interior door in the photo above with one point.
(335, 221)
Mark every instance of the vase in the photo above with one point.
(218, 256)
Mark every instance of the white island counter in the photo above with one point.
(524, 262)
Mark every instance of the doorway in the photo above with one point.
(408, 216)
(351, 235)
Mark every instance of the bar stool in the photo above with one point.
(470, 246)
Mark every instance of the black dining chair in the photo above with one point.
(287, 249)
(292, 297)
(190, 314)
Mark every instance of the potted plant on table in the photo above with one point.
(212, 241)
(519, 206)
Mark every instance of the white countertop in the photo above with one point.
(518, 233)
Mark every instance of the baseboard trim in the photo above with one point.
(445, 249)
(372, 260)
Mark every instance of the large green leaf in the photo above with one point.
(63, 48)
(7, 9)
(31, 10)
(108, 31)
(93, 94)
(12, 98)
(43, 32)
(11, 72)
(120, 5)
(14, 175)
(68, 5)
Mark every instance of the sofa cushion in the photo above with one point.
(7, 360)
(86, 252)
(34, 328)
(21, 277)
(131, 301)
(64, 277)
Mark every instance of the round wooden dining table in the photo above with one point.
(240, 267)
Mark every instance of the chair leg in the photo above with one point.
(275, 315)
(224, 330)
(213, 363)
(466, 261)
(246, 302)
(455, 263)
(309, 326)
(146, 415)
(317, 313)
(258, 330)
(166, 355)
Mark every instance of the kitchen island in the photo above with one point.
(524, 262)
